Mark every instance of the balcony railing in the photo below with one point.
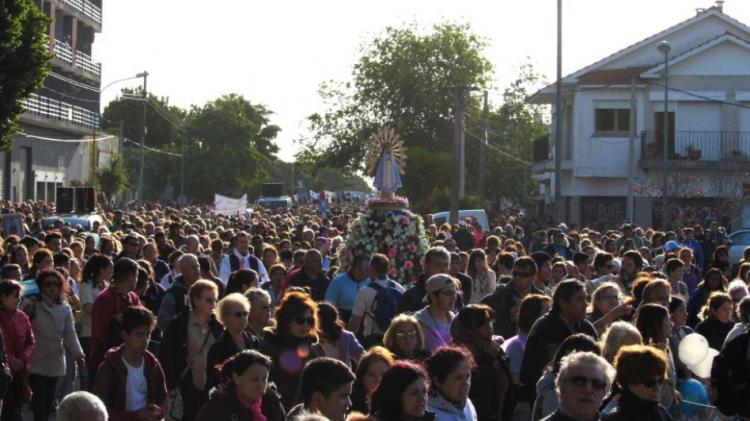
(696, 145)
(60, 111)
(86, 64)
(87, 8)
(63, 51)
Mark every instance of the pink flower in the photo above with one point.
(392, 252)
(408, 265)
(392, 273)
(406, 220)
(412, 247)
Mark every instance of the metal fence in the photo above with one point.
(61, 111)
(696, 145)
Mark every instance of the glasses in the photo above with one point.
(654, 382)
(406, 334)
(241, 314)
(581, 382)
(304, 320)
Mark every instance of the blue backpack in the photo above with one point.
(385, 303)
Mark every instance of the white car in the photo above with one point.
(480, 215)
(739, 240)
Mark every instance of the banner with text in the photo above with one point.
(228, 206)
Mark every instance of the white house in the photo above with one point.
(708, 129)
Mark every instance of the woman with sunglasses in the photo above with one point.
(581, 385)
(641, 372)
(292, 343)
(232, 312)
(655, 325)
(186, 343)
(404, 339)
(492, 380)
(54, 332)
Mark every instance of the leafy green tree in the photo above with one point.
(399, 81)
(24, 57)
(229, 146)
(113, 176)
(332, 179)
(162, 119)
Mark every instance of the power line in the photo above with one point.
(74, 82)
(496, 149)
(151, 149)
(52, 139)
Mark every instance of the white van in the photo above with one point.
(479, 214)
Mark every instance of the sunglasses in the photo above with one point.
(653, 382)
(406, 334)
(240, 314)
(304, 320)
(581, 382)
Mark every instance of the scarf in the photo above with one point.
(253, 407)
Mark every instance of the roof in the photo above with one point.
(575, 76)
(654, 72)
(611, 76)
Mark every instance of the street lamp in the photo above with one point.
(94, 158)
(144, 75)
(664, 49)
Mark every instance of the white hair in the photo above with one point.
(736, 286)
(82, 406)
(614, 338)
(588, 360)
(188, 258)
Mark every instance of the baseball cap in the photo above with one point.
(437, 282)
(671, 246)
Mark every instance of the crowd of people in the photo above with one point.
(175, 313)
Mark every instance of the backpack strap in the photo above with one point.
(234, 262)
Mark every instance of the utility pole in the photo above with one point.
(483, 147)
(458, 92)
(144, 75)
(664, 48)
(559, 211)
(631, 155)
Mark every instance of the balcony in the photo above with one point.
(77, 61)
(544, 154)
(699, 150)
(86, 65)
(84, 9)
(39, 108)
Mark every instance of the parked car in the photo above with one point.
(738, 240)
(86, 221)
(479, 214)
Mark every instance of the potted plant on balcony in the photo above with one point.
(694, 153)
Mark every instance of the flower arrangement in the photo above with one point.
(399, 234)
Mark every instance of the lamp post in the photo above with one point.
(664, 48)
(94, 156)
(144, 75)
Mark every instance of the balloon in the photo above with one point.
(703, 368)
(692, 390)
(693, 349)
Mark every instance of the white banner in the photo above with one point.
(227, 206)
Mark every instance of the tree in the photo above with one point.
(229, 147)
(399, 81)
(24, 57)
(113, 176)
(162, 119)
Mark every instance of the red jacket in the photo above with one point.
(111, 382)
(107, 305)
(19, 338)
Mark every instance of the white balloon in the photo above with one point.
(703, 368)
(693, 349)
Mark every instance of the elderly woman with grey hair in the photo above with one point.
(582, 383)
(81, 405)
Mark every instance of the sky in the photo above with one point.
(277, 53)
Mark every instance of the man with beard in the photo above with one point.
(632, 264)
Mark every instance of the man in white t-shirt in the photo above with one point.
(364, 312)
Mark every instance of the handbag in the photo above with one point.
(175, 405)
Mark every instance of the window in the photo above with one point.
(612, 120)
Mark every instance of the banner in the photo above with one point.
(227, 206)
